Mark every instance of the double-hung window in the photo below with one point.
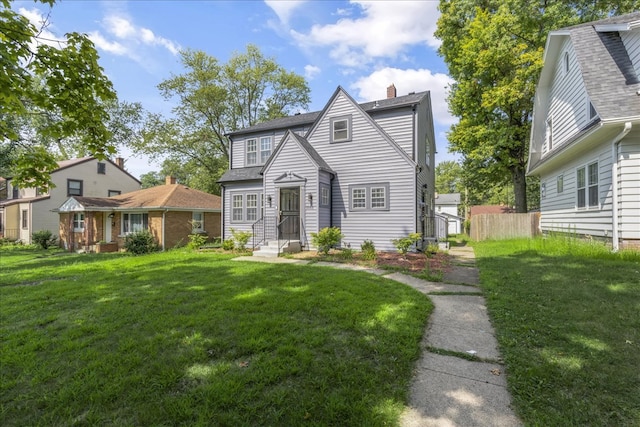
(102, 168)
(265, 149)
(258, 151)
(341, 129)
(78, 221)
(358, 198)
(378, 198)
(587, 186)
(25, 219)
(197, 222)
(252, 207)
(133, 222)
(237, 208)
(325, 195)
(74, 187)
(245, 207)
(252, 151)
(369, 197)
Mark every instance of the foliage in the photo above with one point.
(61, 81)
(213, 99)
(151, 179)
(493, 50)
(368, 250)
(177, 338)
(326, 238)
(196, 241)
(403, 244)
(241, 238)
(228, 244)
(346, 253)
(449, 177)
(140, 242)
(44, 238)
(566, 318)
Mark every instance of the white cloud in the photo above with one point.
(310, 71)
(384, 30)
(374, 87)
(107, 46)
(284, 8)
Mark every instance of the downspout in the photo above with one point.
(222, 214)
(614, 181)
(163, 227)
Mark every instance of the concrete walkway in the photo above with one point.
(459, 379)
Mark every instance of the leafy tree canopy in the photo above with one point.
(214, 99)
(493, 49)
(50, 90)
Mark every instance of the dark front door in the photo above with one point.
(290, 213)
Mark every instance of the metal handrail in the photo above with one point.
(279, 234)
(258, 223)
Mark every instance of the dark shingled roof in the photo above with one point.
(308, 118)
(242, 174)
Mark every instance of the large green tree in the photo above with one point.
(213, 99)
(493, 49)
(43, 80)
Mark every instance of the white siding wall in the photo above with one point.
(93, 185)
(367, 159)
(229, 189)
(629, 188)
(568, 100)
(631, 40)
(291, 158)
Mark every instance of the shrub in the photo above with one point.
(346, 253)
(368, 250)
(326, 238)
(241, 239)
(140, 242)
(44, 238)
(228, 245)
(403, 244)
(196, 240)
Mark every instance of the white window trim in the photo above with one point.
(128, 214)
(259, 152)
(255, 151)
(325, 199)
(335, 120)
(566, 63)
(79, 221)
(263, 152)
(367, 198)
(197, 225)
(587, 199)
(259, 207)
(549, 133)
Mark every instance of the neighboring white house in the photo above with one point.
(585, 137)
(28, 210)
(447, 206)
(365, 168)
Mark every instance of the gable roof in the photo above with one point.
(171, 196)
(64, 164)
(305, 146)
(448, 199)
(310, 118)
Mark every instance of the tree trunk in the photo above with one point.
(519, 188)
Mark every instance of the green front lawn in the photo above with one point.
(567, 317)
(183, 338)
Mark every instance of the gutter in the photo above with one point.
(614, 181)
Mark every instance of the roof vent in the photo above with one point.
(412, 93)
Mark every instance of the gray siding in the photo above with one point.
(256, 187)
(629, 187)
(631, 40)
(292, 158)
(398, 124)
(238, 149)
(367, 159)
(324, 214)
(568, 105)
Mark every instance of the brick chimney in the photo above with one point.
(170, 180)
(120, 162)
(391, 91)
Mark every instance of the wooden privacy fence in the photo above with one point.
(504, 226)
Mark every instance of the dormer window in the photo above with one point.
(265, 148)
(252, 151)
(258, 154)
(341, 129)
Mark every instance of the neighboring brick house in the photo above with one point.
(27, 210)
(171, 212)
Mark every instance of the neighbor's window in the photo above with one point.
(341, 129)
(133, 222)
(236, 209)
(358, 198)
(102, 168)
(560, 184)
(252, 151)
(587, 186)
(114, 193)
(25, 219)
(197, 222)
(265, 148)
(325, 198)
(74, 187)
(78, 221)
(252, 207)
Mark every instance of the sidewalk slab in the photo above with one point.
(430, 287)
(270, 260)
(353, 267)
(465, 275)
(449, 391)
(461, 323)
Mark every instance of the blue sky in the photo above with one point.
(363, 46)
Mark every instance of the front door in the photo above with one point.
(107, 227)
(290, 213)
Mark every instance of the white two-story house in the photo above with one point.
(365, 168)
(28, 210)
(585, 137)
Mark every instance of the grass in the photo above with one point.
(185, 338)
(567, 316)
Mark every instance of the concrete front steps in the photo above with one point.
(270, 250)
